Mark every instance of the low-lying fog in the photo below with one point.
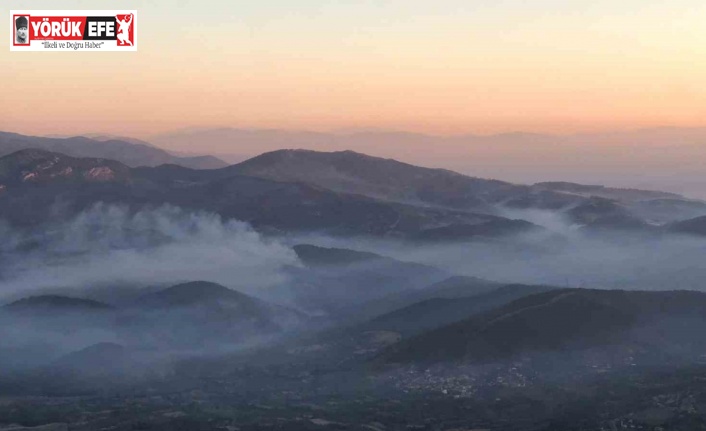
(564, 255)
(112, 255)
(109, 246)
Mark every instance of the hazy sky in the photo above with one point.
(436, 66)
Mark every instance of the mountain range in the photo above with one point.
(656, 158)
(347, 194)
(360, 281)
(129, 151)
(34, 183)
(342, 193)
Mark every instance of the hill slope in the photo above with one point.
(336, 281)
(199, 311)
(436, 307)
(694, 226)
(74, 184)
(350, 172)
(557, 320)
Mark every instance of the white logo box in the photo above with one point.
(55, 30)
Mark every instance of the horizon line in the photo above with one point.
(362, 131)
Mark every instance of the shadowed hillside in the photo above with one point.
(562, 319)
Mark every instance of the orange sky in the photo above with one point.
(448, 66)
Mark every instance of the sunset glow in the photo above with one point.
(442, 67)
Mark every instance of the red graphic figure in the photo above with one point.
(124, 29)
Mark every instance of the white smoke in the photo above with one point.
(109, 244)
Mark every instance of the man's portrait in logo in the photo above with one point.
(22, 30)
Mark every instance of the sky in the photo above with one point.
(431, 66)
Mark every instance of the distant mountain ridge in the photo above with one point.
(606, 192)
(77, 184)
(351, 172)
(33, 166)
(675, 155)
(343, 193)
(130, 152)
(388, 179)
